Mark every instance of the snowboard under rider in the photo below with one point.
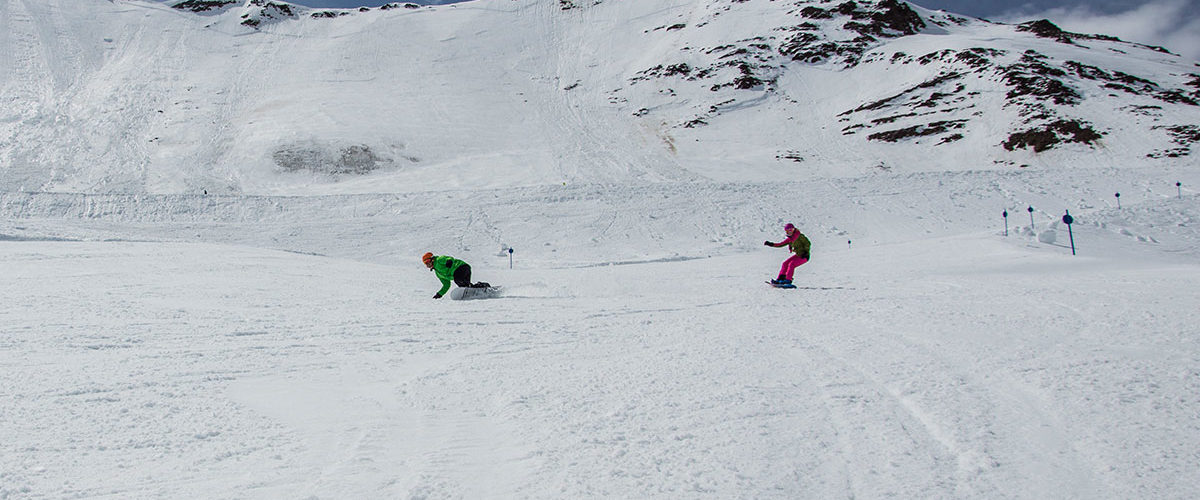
(800, 247)
(449, 269)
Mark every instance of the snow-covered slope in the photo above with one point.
(969, 366)
(268, 97)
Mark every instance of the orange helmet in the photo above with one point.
(427, 258)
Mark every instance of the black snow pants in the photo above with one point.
(462, 278)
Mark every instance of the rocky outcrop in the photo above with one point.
(1184, 137)
(199, 6)
(1045, 29)
(1047, 136)
(259, 12)
(857, 26)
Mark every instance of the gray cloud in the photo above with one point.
(1173, 24)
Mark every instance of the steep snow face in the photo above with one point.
(272, 98)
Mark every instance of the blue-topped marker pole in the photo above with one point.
(1118, 195)
(1005, 214)
(1068, 220)
(1031, 217)
(510, 250)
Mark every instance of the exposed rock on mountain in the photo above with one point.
(532, 91)
(203, 5)
(265, 11)
(1041, 89)
(1045, 137)
(848, 30)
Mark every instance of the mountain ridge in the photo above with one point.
(261, 96)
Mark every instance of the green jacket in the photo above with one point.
(444, 267)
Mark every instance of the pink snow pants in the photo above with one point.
(790, 265)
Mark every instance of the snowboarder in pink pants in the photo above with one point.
(800, 247)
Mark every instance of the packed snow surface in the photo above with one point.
(281, 348)
(183, 320)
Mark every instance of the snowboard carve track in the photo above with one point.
(867, 418)
(949, 414)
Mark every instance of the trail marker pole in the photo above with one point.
(1067, 219)
(1006, 222)
(510, 251)
(848, 244)
(1118, 195)
(1031, 217)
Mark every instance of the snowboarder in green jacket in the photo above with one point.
(449, 269)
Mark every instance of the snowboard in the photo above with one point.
(474, 293)
(789, 285)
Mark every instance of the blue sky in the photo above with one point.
(1174, 24)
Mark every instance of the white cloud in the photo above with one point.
(1168, 23)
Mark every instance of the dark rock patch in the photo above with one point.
(660, 71)
(268, 10)
(1194, 83)
(794, 156)
(935, 82)
(1185, 136)
(1176, 97)
(203, 5)
(977, 57)
(1046, 137)
(870, 22)
(1035, 78)
(846, 8)
(950, 138)
(890, 119)
(1045, 29)
(314, 157)
(816, 13)
(1155, 111)
(1117, 80)
(898, 17)
(918, 131)
(575, 4)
